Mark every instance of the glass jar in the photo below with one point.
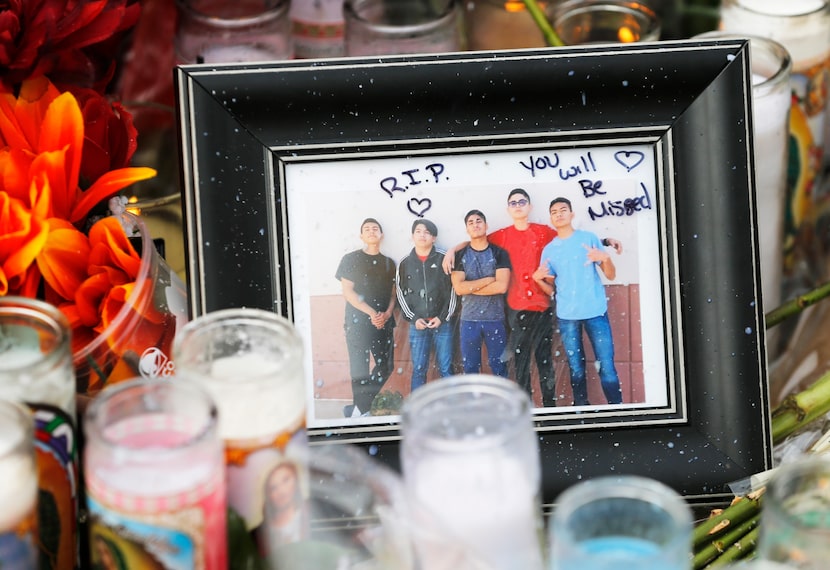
(36, 370)
(795, 518)
(610, 523)
(579, 22)
(470, 456)
(154, 475)
(251, 362)
(215, 31)
(388, 27)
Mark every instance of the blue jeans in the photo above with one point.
(598, 330)
(494, 335)
(421, 343)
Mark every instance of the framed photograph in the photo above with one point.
(404, 213)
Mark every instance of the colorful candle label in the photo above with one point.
(56, 453)
(807, 118)
(17, 547)
(172, 533)
(267, 488)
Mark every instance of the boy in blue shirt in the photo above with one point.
(571, 262)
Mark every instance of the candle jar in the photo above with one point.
(251, 362)
(18, 492)
(215, 31)
(154, 473)
(803, 28)
(501, 24)
(387, 27)
(470, 456)
(795, 519)
(610, 523)
(317, 28)
(36, 370)
(604, 21)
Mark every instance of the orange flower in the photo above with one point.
(47, 127)
(22, 237)
(41, 144)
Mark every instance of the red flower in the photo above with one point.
(110, 138)
(61, 39)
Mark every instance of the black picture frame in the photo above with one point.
(242, 126)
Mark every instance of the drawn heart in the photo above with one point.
(630, 159)
(419, 206)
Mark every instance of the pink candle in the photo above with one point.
(155, 477)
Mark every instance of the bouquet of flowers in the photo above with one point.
(65, 151)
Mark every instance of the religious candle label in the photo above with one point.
(317, 28)
(56, 455)
(260, 473)
(17, 546)
(158, 532)
(169, 513)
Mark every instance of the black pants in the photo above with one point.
(531, 335)
(364, 342)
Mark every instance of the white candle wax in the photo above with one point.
(249, 410)
(243, 53)
(18, 491)
(54, 386)
(770, 111)
(486, 500)
(806, 38)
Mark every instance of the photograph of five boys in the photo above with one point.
(504, 296)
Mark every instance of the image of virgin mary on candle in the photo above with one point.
(285, 510)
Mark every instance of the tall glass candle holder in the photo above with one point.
(154, 474)
(795, 519)
(215, 31)
(470, 456)
(36, 369)
(803, 28)
(388, 27)
(251, 362)
(604, 21)
(610, 523)
(18, 493)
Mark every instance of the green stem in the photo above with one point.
(538, 15)
(798, 410)
(739, 549)
(741, 510)
(714, 551)
(795, 306)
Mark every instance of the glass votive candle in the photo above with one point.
(251, 362)
(803, 28)
(795, 516)
(216, 31)
(470, 457)
(18, 492)
(154, 473)
(629, 521)
(604, 21)
(36, 370)
(388, 27)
